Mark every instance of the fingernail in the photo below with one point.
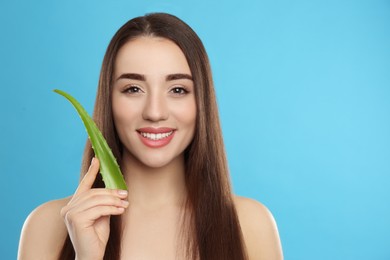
(93, 159)
(122, 192)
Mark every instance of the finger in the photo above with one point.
(87, 195)
(98, 212)
(88, 217)
(96, 201)
(95, 197)
(89, 178)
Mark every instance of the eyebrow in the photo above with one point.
(134, 76)
(178, 76)
(140, 77)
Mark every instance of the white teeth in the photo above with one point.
(155, 137)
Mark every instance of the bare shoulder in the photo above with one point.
(43, 232)
(259, 229)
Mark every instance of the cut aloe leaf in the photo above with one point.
(109, 168)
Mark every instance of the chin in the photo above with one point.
(154, 159)
(162, 160)
(156, 162)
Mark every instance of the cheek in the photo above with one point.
(123, 113)
(118, 114)
(187, 115)
(192, 117)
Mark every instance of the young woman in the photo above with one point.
(157, 109)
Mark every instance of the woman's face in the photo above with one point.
(153, 101)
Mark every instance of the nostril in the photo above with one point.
(155, 111)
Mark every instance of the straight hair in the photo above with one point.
(213, 230)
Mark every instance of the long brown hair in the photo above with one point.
(214, 231)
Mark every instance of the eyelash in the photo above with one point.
(182, 91)
(132, 89)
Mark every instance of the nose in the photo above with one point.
(155, 108)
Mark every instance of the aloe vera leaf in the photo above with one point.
(109, 168)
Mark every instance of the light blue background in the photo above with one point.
(304, 95)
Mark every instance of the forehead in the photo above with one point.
(151, 56)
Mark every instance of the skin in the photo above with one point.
(152, 208)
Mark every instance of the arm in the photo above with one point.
(43, 232)
(259, 230)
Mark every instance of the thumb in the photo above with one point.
(89, 178)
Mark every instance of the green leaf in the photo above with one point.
(109, 168)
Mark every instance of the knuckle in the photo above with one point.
(108, 199)
(64, 211)
(112, 191)
(70, 217)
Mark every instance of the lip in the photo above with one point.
(154, 130)
(156, 143)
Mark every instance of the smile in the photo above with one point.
(156, 137)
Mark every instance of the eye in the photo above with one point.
(132, 89)
(179, 91)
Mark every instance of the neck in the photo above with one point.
(152, 188)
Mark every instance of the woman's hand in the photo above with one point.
(87, 215)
